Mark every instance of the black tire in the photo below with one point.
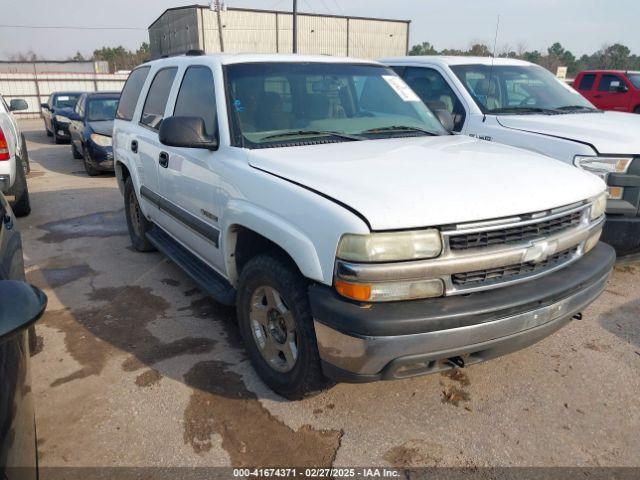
(137, 223)
(49, 132)
(74, 151)
(637, 110)
(90, 169)
(305, 378)
(21, 205)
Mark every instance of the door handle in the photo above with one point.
(597, 96)
(134, 146)
(163, 159)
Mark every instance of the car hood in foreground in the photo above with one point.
(608, 132)
(430, 181)
(103, 127)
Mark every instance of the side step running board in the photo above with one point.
(209, 281)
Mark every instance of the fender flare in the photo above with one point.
(287, 236)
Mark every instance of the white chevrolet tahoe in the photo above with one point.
(14, 159)
(358, 239)
(524, 105)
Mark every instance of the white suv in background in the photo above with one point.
(521, 104)
(358, 239)
(14, 158)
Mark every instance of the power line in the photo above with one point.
(60, 27)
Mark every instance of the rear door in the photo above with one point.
(609, 96)
(586, 86)
(190, 182)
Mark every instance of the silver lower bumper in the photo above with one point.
(409, 355)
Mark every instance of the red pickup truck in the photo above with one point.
(610, 89)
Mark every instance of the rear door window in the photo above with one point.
(197, 97)
(156, 102)
(587, 81)
(131, 92)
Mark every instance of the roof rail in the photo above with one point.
(194, 53)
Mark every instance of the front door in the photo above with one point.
(189, 180)
(608, 95)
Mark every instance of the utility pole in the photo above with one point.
(295, 26)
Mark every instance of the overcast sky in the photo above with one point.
(582, 26)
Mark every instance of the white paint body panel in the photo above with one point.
(306, 198)
(12, 134)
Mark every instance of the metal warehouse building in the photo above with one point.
(239, 30)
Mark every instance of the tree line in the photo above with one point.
(609, 57)
(119, 58)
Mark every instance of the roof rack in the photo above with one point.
(194, 53)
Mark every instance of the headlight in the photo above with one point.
(390, 247)
(62, 119)
(598, 206)
(101, 140)
(603, 166)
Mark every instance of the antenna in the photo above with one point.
(493, 59)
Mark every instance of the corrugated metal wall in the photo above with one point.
(175, 33)
(35, 89)
(249, 31)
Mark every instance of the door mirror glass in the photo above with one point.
(18, 104)
(21, 305)
(186, 132)
(446, 119)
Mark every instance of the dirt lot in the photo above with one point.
(138, 368)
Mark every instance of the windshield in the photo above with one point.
(66, 100)
(282, 104)
(518, 89)
(100, 109)
(634, 78)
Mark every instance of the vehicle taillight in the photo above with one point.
(4, 147)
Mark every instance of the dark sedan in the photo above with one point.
(20, 306)
(55, 113)
(91, 130)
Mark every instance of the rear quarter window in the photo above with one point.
(131, 92)
(156, 102)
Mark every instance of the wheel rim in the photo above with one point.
(274, 329)
(134, 213)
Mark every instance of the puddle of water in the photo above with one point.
(102, 224)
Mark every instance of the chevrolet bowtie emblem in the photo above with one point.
(539, 251)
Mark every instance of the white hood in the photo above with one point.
(430, 181)
(608, 132)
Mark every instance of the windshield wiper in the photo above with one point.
(583, 108)
(305, 133)
(399, 128)
(524, 110)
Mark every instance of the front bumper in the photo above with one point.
(101, 158)
(369, 342)
(61, 129)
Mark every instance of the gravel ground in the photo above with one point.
(138, 368)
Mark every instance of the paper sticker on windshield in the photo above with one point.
(63, 99)
(401, 88)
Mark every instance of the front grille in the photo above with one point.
(510, 272)
(509, 235)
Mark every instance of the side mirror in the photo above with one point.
(18, 104)
(45, 106)
(446, 119)
(187, 132)
(21, 305)
(73, 116)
